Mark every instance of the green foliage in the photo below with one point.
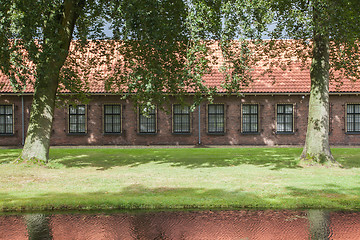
(339, 20)
(165, 46)
(31, 161)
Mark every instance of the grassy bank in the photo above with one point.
(178, 178)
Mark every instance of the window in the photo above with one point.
(353, 117)
(250, 118)
(6, 119)
(181, 119)
(77, 119)
(284, 118)
(147, 122)
(216, 118)
(112, 118)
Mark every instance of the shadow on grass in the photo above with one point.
(8, 155)
(102, 159)
(140, 197)
(348, 157)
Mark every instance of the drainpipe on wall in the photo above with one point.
(22, 121)
(199, 125)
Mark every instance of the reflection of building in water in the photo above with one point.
(187, 225)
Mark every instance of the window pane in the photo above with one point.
(9, 128)
(108, 128)
(288, 108)
(246, 109)
(77, 120)
(116, 119)
(72, 110)
(9, 110)
(81, 119)
(249, 118)
(73, 119)
(147, 124)
(288, 127)
(143, 127)
(288, 119)
(72, 128)
(81, 109)
(280, 127)
(116, 109)
(254, 108)
(357, 127)
(220, 119)
(9, 119)
(116, 128)
(212, 108)
(108, 119)
(177, 109)
(246, 119)
(280, 109)
(81, 128)
(357, 108)
(108, 109)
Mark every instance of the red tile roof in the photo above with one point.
(294, 79)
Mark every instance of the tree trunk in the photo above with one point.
(37, 141)
(56, 43)
(317, 148)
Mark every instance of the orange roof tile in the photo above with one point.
(294, 79)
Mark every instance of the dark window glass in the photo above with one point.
(250, 118)
(112, 118)
(216, 118)
(181, 119)
(6, 119)
(284, 118)
(77, 120)
(147, 121)
(353, 117)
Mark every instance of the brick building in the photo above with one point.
(268, 113)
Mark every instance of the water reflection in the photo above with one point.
(311, 224)
(38, 226)
(319, 224)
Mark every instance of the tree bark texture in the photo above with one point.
(317, 148)
(56, 43)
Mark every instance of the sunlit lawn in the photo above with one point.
(178, 178)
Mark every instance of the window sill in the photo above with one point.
(352, 133)
(76, 134)
(284, 133)
(7, 134)
(120, 133)
(152, 133)
(250, 133)
(181, 133)
(215, 133)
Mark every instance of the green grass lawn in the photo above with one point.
(205, 178)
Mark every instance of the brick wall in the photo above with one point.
(233, 136)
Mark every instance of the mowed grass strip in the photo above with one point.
(176, 178)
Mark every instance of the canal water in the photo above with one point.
(293, 225)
